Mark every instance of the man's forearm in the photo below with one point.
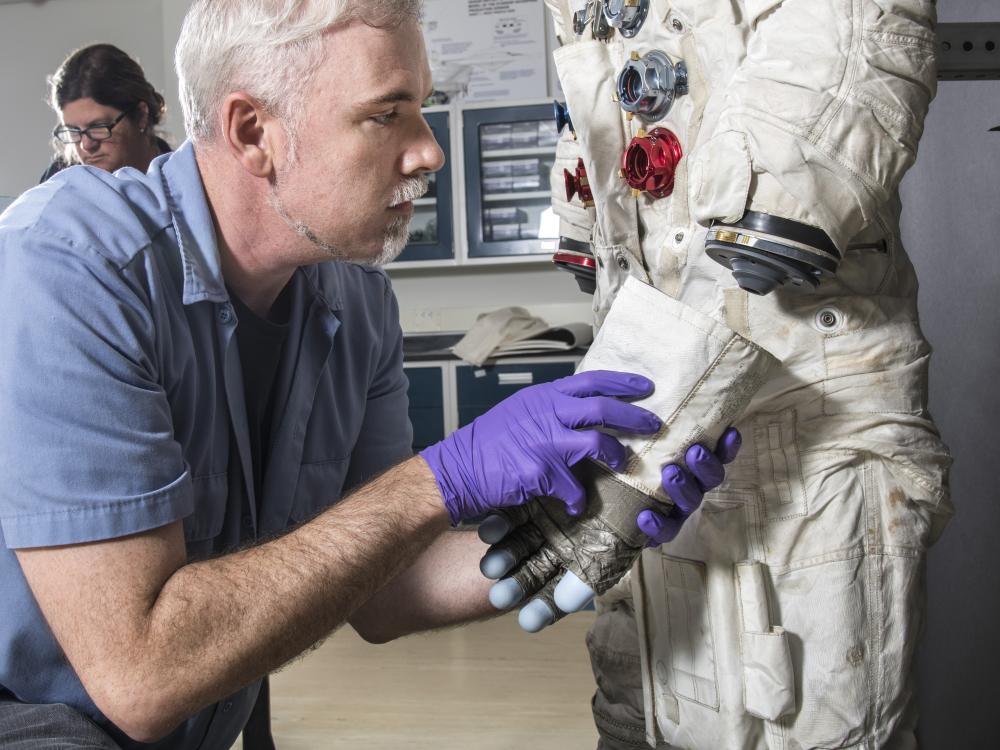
(222, 623)
(219, 624)
(442, 588)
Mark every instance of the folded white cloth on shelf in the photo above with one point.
(493, 329)
(512, 331)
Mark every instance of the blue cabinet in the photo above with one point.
(431, 230)
(446, 394)
(508, 156)
(478, 389)
(427, 404)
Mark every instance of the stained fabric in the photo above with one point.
(786, 613)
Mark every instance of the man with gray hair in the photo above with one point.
(197, 362)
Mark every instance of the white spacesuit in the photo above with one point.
(787, 612)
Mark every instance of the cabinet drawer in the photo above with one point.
(426, 394)
(481, 388)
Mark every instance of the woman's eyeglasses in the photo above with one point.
(99, 132)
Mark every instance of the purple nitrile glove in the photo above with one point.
(687, 487)
(524, 446)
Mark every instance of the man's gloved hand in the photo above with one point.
(687, 488)
(564, 561)
(523, 447)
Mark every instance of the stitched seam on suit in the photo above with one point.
(703, 571)
(902, 119)
(851, 65)
(756, 510)
(822, 145)
(790, 444)
(875, 661)
(873, 574)
(854, 552)
(605, 723)
(687, 399)
(614, 722)
(899, 40)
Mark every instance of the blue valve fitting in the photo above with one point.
(561, 112)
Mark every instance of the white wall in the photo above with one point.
(36, 37)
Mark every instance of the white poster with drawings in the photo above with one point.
(486, 50)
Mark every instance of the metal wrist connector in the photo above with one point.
(765, 252)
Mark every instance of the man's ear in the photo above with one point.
(250, 133)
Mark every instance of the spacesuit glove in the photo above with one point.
(545, 546)
(524, 446)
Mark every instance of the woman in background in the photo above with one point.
(107, 112)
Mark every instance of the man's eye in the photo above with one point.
(385, 119)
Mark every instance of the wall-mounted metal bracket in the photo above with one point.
(969, 51)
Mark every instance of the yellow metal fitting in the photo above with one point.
(640, 133)
(629, 116)
(634, 55)
(636, 192)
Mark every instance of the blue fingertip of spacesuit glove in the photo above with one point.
(496, 563)
(535, 615)
(505, 594)
(494, 528)
(572, 594)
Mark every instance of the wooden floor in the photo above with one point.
(486, 686)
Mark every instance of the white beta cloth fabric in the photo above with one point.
(814, 548)
(705, 375)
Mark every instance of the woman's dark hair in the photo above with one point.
(110, 77)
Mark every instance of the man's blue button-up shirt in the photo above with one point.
(122, 405)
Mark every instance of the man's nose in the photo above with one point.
(425, 155)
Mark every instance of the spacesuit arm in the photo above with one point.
(821, 120)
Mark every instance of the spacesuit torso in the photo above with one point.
(787, 612)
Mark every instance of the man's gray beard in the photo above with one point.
(396, 234)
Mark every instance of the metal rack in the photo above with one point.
(968, 51)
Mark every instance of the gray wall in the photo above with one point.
(951, 225)
(34, 39)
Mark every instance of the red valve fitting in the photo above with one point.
(578, 184)
(650, 162)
